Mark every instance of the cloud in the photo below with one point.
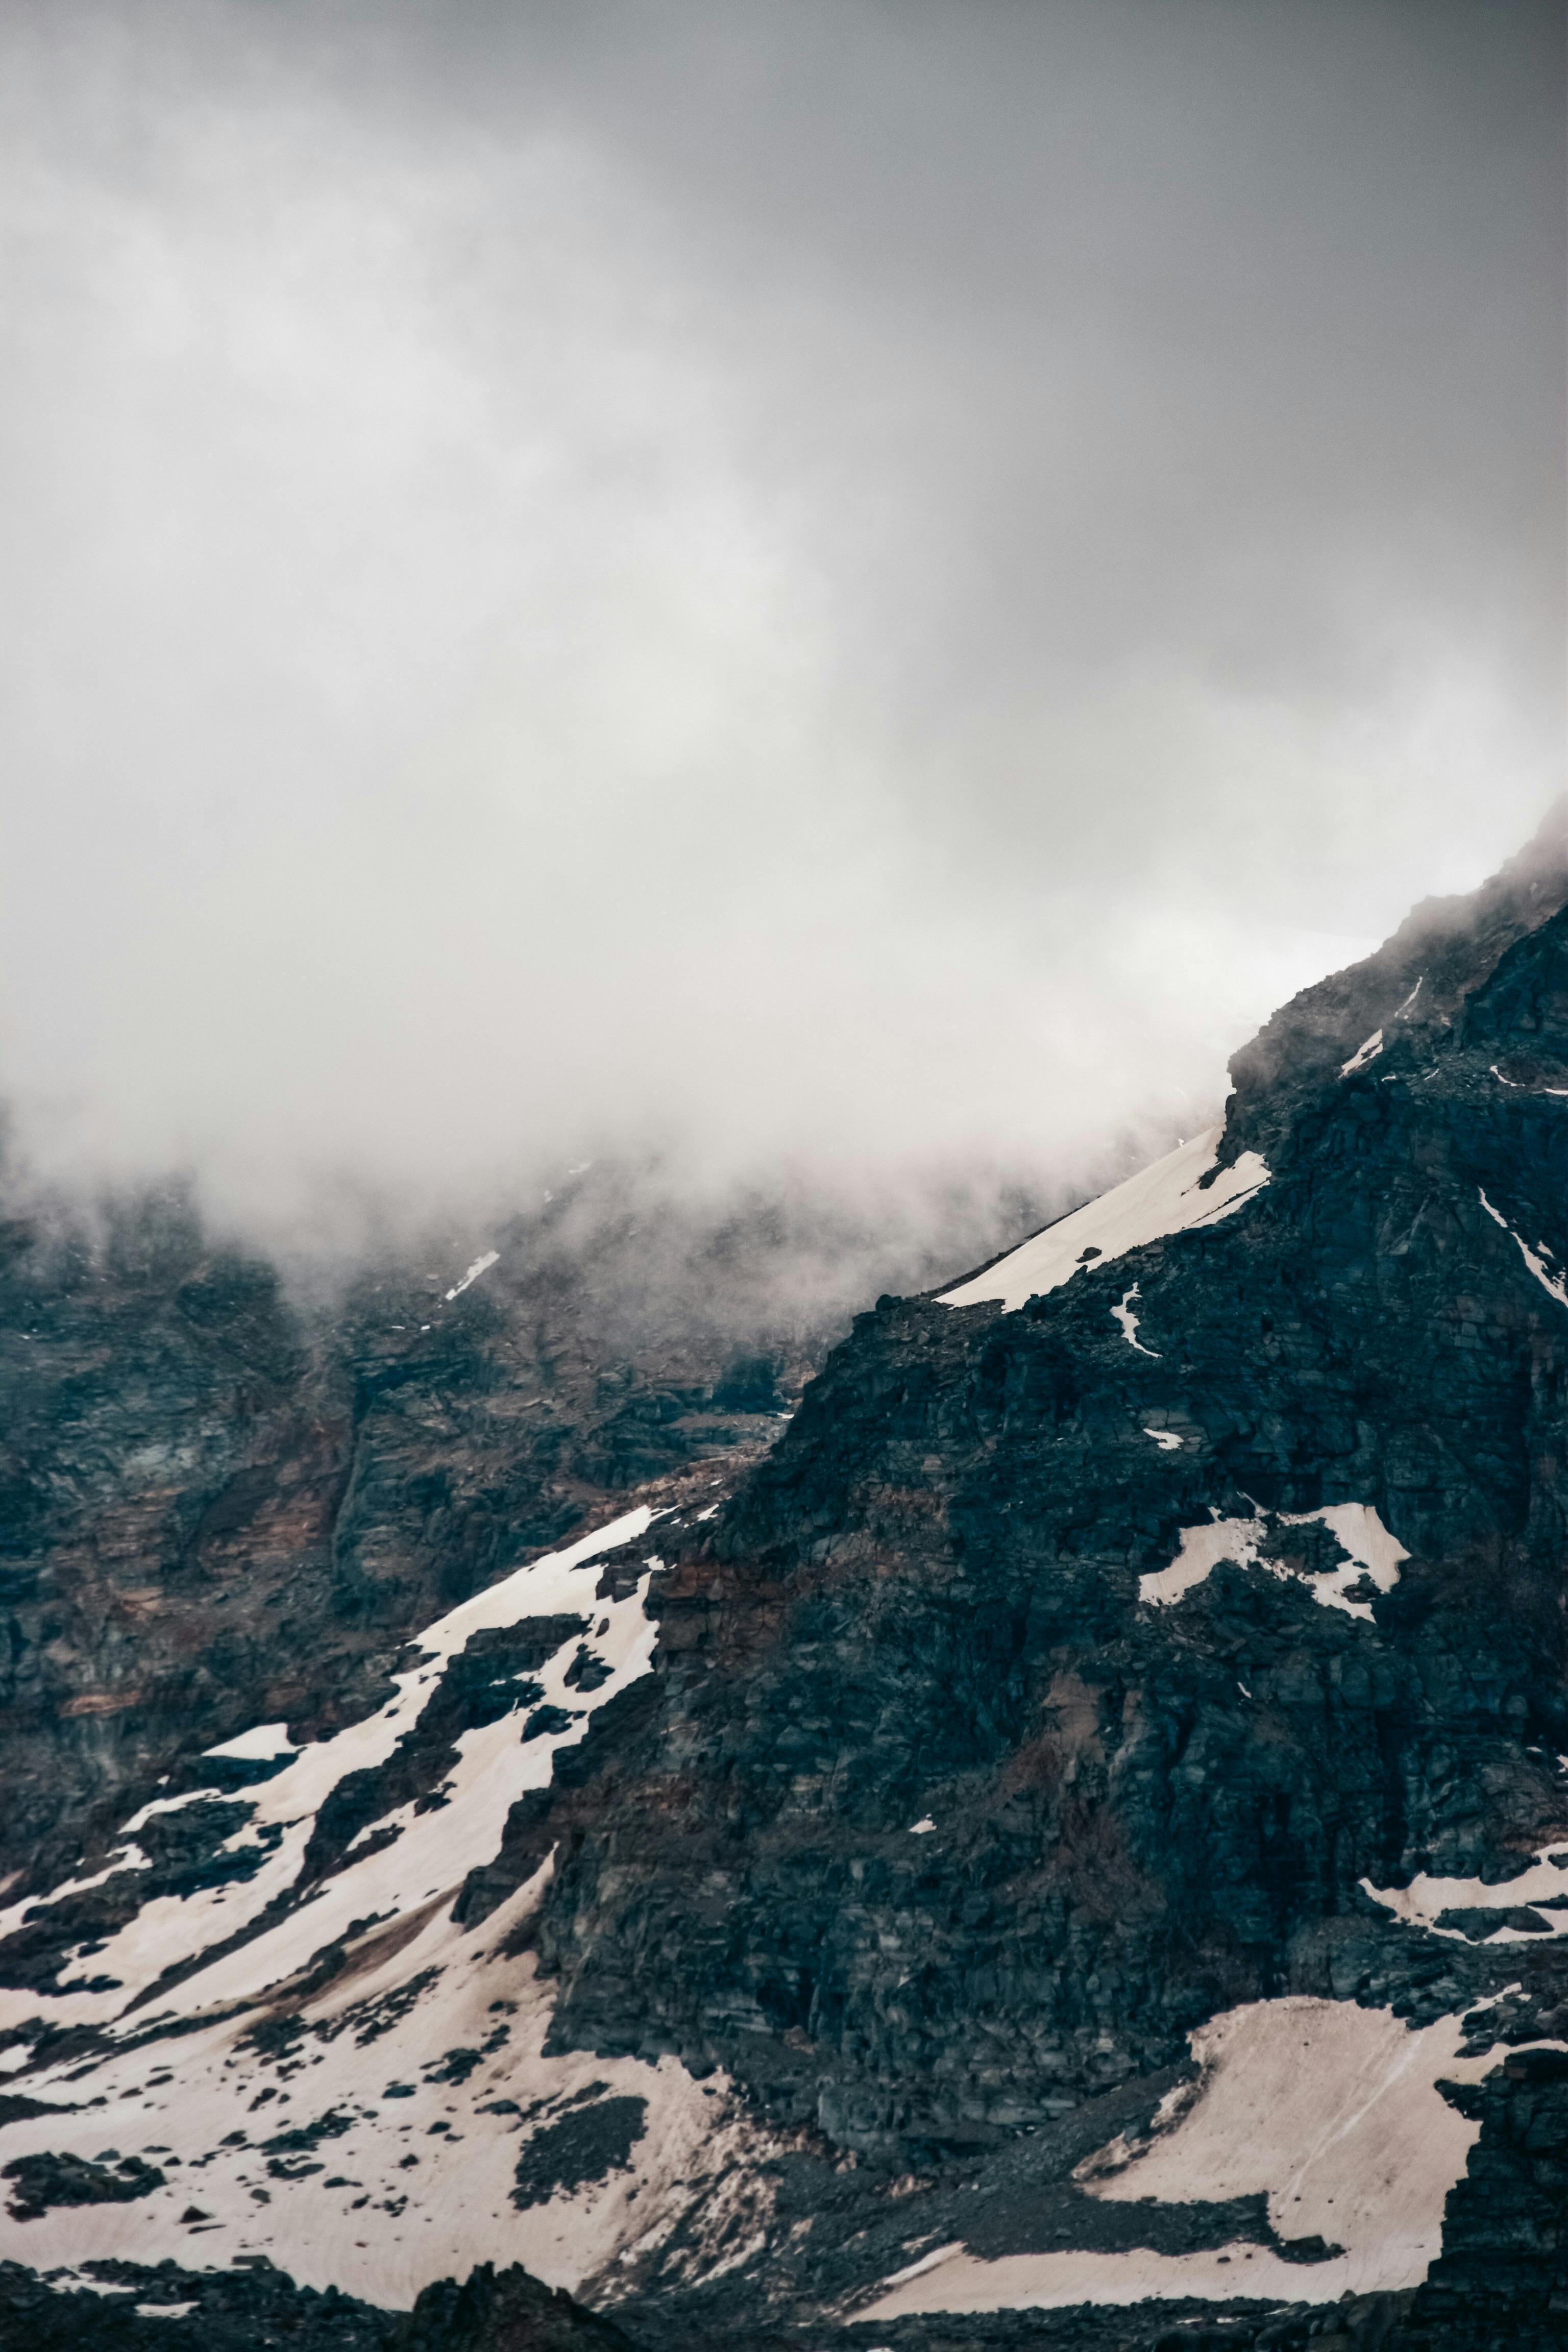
(807, 587)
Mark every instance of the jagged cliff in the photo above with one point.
(222, 1503)
(1073, 1844)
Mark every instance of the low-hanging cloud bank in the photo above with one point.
(833, 586)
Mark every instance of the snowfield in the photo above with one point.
(1167, 1198)
(1374, 1552)
(1331, 2109)
(370, 2136)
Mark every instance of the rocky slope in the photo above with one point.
(1070, 1848)
(939, 1597)
(226, 1499)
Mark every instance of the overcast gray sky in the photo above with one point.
(852, 582)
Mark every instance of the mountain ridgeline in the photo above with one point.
(1062, 1842)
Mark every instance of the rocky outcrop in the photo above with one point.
(129, 2307)
(1084, 1863)
(221, 1503)
(505, 2311)
(1503, 2271)
(938, 1826)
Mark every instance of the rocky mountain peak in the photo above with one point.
(1067, 1839)
(1424, 994)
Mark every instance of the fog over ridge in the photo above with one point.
(839, 595)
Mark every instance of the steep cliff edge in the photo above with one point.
(1070, 1848)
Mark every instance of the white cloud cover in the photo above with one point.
(793, 586)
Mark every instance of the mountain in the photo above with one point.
(1068, 1846)
(227, 1494)
(220, 1500)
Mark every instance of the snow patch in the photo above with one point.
(480, 1265)
(1425, 1900)
(402, 2121)
(394, 2192)
(1372, 1553)
(1367, 1051)
(436, 1848)
(257, 1747)
(919, 2269)
(1128, 1322)
(1551, 1283)
(921, 1828)
(963, 2281)
(1166, 1439)
(1494, 2000)
(1160, 1200)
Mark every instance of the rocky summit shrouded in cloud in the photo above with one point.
(1078, 1825)
(729, 1621)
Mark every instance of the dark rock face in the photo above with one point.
(218, 1506)
(587, 2143)
(138, 2309)
(505, 2311)
(44, 2181)
(925, 1605)
(1504, 2264)
(1058, 1682)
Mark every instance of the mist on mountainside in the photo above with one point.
(837, 603)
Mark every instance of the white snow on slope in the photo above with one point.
(1367, 1051)
(1371, 1047)
(1425, 1900)
(401, 2189)
(480, 1265)
(1551, 1283)
(955, 2279)
(1372, 1553)
(1330, 2109)
(1161, 1198)
(416, 2076)
(257, 1747)
(1166, 1439)
(435, 1850)
(1128, 1322)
